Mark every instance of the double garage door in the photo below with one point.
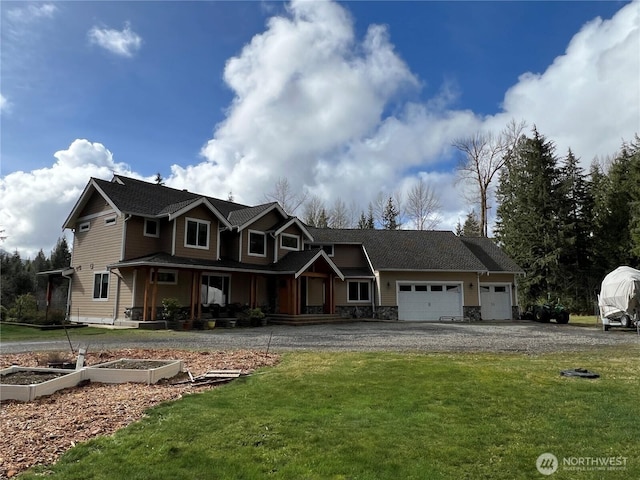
(429, 302)
(434, 301)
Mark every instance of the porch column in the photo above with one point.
(145, 306)
(198, 289)
(154, 296)
(332, 304)
(298, 298)
(253, 291)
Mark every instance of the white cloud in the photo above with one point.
(35, 204)
(5, 105)
(311, 103)
(124, 43)
(589, 98)
(32, 12)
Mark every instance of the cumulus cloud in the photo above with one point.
(124, 43)
(311, 103)
(34, 204)
(589, 98)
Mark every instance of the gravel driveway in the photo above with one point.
(521, 336)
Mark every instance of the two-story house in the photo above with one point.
(137, 243)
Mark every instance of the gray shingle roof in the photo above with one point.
(421, 250)
(492, 256)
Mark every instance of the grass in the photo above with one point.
(383, 416)
(585, 321)
(15, 333)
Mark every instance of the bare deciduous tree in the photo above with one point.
(282, 193)
(484, 156)
(313, 208)
(422, 206)
(339, 215)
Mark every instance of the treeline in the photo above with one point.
(566, 228)
(23, 292)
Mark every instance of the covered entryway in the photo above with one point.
(495, 302)
(429, 302)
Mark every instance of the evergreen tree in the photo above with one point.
(471, 227)
(371, 224)
(574, 228)
(390, 216)
(323, 219)
(362, 221)
(61, 256)
(527, 216)
(159, 180)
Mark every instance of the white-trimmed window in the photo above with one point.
(358, 291)
(84, 227)
(110, 220)
(196, 233)
(328, 249)
(165, 277)
(101, 286)
(289, 242)
(257, 244)
(151, 228)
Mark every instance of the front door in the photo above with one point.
(284, 299)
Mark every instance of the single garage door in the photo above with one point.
(495, 301)
(429, 302)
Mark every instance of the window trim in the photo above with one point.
(264, 237)
(100, 298)
(163, 282)
(110, 220)
(84, 227)
(199, 222)
(359, 282)
(290, 235)
(157, 223)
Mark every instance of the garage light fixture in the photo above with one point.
(470, 284)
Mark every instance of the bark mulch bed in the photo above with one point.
(39, 432)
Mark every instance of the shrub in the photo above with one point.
(170, 308)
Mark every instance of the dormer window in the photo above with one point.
(289, 242)
(151, 228)
(196, 234)
(257, 244)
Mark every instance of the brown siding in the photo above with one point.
(262, 224)
(137, 244)
(199, 213)
(349, 256)
(292, 230)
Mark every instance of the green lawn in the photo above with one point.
(15, 333)
(384, 416)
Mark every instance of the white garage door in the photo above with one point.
(429, 302)
(495, 301)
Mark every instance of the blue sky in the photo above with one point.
(231, 96)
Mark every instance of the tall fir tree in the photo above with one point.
(527, 216)
(390, 216)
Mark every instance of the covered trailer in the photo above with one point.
(619, 299)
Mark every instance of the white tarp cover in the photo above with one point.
(619, 292)
(211, 295)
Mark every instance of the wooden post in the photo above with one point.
(197, 296)
(332, 305)
(145, 307)
(154, 296)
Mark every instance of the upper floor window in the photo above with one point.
(257, 244)
(84, 227)
(151, 228)
(328, 249)
(196, 233)
(101, 286)
(289, 242)
(110, 221)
